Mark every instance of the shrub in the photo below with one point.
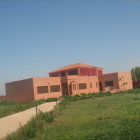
(100, 94)
(84, 95)
(51, 100)
(49, 116)
(30, 130)
(75, 97)
(3, 102)
(62, 104)
(25, 132)
(67, 97)
(91, 95)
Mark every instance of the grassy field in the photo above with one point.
(10, 108)
(7, 108)
(115, 117)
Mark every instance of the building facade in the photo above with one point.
(68, 80)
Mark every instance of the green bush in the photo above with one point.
(49, 116)
(51, 100)
(100, 94)
(3, 102)
(67, 97)
(62, 104)
(75, 97)
(84, 95)
(91, 95)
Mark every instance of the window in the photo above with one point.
(90, 85)
(82, 86)
(55, 88)
(73, 72)
(109, 83)
(96, 84)
(101, 86)
(42, 89)
(63, 73)
(54, 74)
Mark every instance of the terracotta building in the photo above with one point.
(68, 80)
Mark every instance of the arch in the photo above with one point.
(73, 87)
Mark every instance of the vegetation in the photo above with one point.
(8, 108)
(88, 117)
(136, 73)
(33, 126)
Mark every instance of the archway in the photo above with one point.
(73, 88)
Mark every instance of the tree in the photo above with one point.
(135, 73)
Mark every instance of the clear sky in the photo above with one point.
(38, 36)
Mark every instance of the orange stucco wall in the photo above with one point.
(91, 84)
(109, 77)
(20, 91)
(119, 79)
(46, 82)
(125, 80)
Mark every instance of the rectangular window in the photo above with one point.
(101, 86)
(90, 85)
(54, 74)
(42, 89)
(96, 84)
(55, 88)
(63, 73)
(73, 72)
(82, 86)
(109, 83)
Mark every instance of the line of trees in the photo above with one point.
(135, 73)
(136, 77)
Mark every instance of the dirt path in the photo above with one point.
(12, 123)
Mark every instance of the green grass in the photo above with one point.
(33, 127)
(8, 108)
(115, 117)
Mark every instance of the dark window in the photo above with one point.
(109, 83)
(100, 86)
(63, 73)
(55, 88)
(82, 86)
(42, 89)
(96, 84)
(54, 74)
(73, 72)
(90, 85)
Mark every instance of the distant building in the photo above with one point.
(68, 80)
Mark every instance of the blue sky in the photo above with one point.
(38, 36)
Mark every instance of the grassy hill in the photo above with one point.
(115, 117)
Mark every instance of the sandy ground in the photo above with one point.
(11, 123)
